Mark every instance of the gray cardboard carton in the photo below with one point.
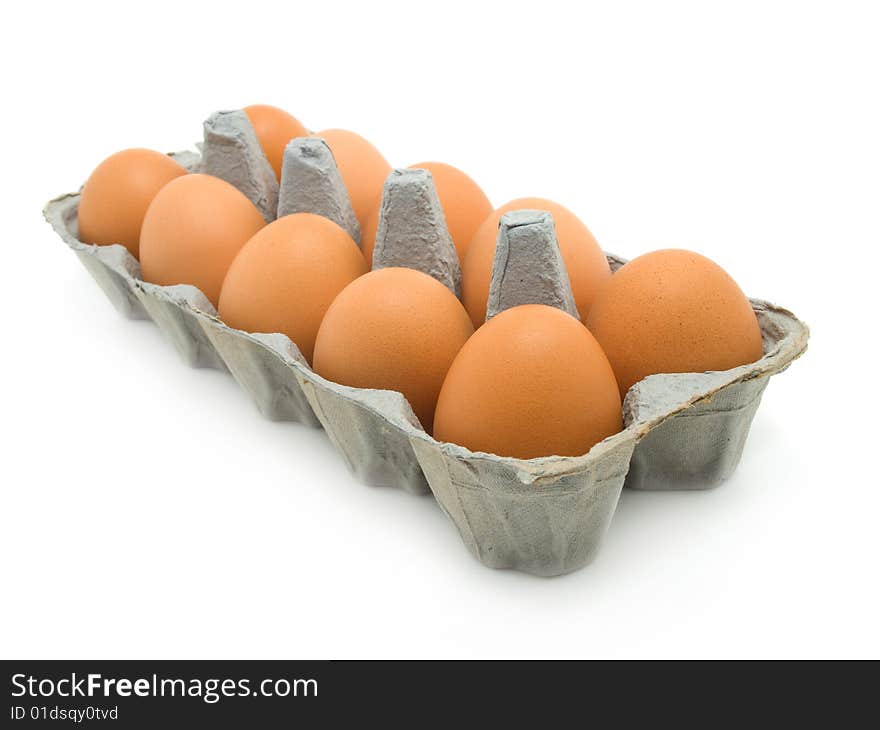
(543, 516)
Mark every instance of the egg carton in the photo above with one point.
(544, 516)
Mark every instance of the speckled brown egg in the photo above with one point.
(274, 128)
(116, 196)
(530, 382)
(586, 264)
(286, 276)
(393, 329)
(673, 311)
(192, 231)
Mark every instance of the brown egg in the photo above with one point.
(586, 264)
(673, 311)
(286, 276)
(465, 207)
(115, 198)
(362, 167)
(531, 382)
(274, 128)
(193, 229)
(394, 329)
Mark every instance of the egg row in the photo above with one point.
(531, 381)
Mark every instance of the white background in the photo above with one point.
(149, 511)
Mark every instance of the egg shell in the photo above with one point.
(274, 128)
(465, 207)
(193, 230)
(393, 329)
(531, 382)
(285, 277)
(586, 264)
(117, 194)
(673, 311)
(362, 166)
